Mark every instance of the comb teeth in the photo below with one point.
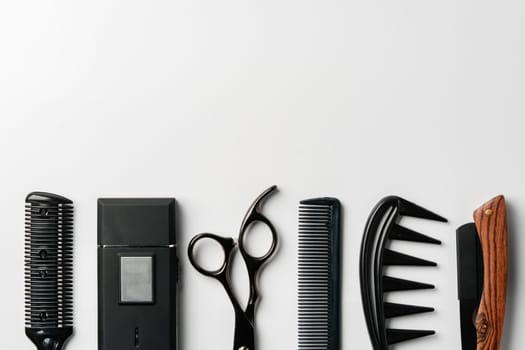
(382, 226)
(48, 261)
(398, 310)
(391, 257)
(401, 233)
(407, 208)
(392, 284)
(395, 336)
(319, 274)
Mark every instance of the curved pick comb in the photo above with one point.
(381, 227)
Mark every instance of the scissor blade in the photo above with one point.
(244, 338)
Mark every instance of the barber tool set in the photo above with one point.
(138, 272)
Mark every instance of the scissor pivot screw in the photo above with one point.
(488, 212)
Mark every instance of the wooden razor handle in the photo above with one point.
(491, 224)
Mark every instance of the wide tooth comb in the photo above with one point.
(319, 288)
(401, 233)
(392, 258)
(397, 310)
(382, 226)
(395, 336)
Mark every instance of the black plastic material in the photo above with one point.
(401, 233)
(395, 336)
(470, 281)
(383, 225)
(320, 274)
(397, 310)
(145, 228)
(47, 198)
(48, 270)
(49, 339)
(244, 337)
(391, 284)
(391, 257)
(136, 222)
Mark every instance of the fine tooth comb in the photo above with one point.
(382, 226)
(48, 270)
(482, 276)
(319, 274)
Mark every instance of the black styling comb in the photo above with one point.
(382, 226)
(48, 270)
(319, 274)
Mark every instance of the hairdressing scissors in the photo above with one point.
(244, 338)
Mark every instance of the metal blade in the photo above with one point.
(470, 281)
(468, 331)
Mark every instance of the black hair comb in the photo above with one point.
(48, 270)
(319, 274)
(382, 226)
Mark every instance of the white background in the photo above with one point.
(213, 101)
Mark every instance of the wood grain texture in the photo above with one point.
(491, 224)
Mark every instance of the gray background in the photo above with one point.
(213, 101)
